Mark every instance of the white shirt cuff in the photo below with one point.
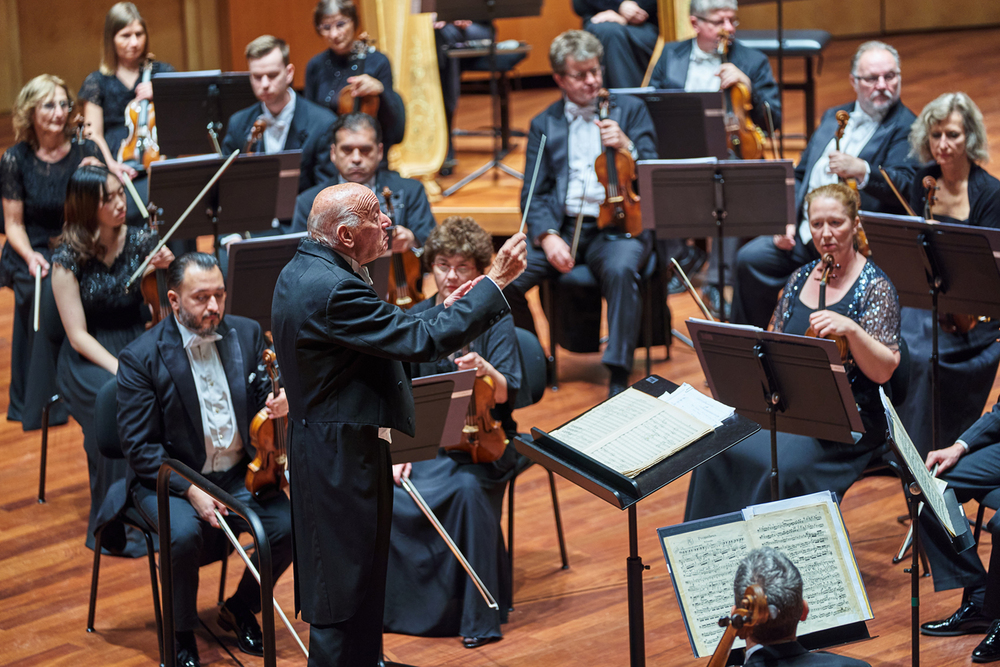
(964, 444)
(864, 181)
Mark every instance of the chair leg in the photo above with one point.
(151, 556)
(222, 580)
(510, 538)
(98, 534)
(545, 292)
(45, 447)
(979, 522)
(559, 526)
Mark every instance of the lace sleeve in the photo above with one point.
(91, 90)
(11, 178)
(65, 257)
(880, 316)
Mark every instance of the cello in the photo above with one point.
(743, 137)
(266, 473)
(404, 269)
(140, 147)
(347, 102)
(615, 170)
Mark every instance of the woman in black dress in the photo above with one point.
(33, 177)
(328, 72)
(950, 137)
(427, 591)
(862, 306)
(96, 255)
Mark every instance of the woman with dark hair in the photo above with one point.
(427, 591)
(96, 255)
(33, 177)
(949, 137)
(327, 73)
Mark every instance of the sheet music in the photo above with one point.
(698, 405)
(631, 432)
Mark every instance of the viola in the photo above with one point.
(743, 137)
(752, 610)
(347, 102)
(266, 473)
(405, 274)
(483, 437)
(930, 196)
(140, 147)
(615, 170)
(154, 284)
(828, 267)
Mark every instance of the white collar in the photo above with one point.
(359, 269)
(191, 339)
(286, 113)
(698, 55)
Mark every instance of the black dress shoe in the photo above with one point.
(238, 619)
(988, 649)
(715, 302)
(619, 381)
(187, 650)
(968, 620)
(476, 642)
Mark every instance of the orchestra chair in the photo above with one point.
(533, 380)
(572, 305)
(43, 459)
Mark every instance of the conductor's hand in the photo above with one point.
(462, 290)
(785, 241)
(510, 261)
(203, 504)
(401, 470)
(557, 252)
(944, 458)
(276, 407)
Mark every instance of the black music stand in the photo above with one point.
(733, 197)
(937, 266)
(688, 125)
(486, 11)
(625, 492)
(441, 403)
(769, 376)
(194, 106)
(917, 482)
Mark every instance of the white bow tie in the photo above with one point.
(574, 111)
(198, 341)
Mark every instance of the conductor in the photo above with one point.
(341, 349)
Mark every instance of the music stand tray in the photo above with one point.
(688, 125)
(189, 104)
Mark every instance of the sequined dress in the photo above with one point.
(115, 317)
(740, 476)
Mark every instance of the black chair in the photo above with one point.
(533, 382)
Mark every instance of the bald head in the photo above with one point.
(342, 215)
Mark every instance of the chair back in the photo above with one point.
(532, 368)
(106, 421)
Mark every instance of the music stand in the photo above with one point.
(688, 125)
(254, 266)
(778, 379)
(191, 104)
(938, 266)
(735, 197)
(625, 492)
(486, 11)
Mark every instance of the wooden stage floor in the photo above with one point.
(574, 617)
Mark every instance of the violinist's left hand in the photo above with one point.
(729, 75)
(365, 84)
(144, 91)
(402, 239)
(828, 323)
(473, 360)
(847, 166)
(276, 407)
(162, 258)
(611, 134)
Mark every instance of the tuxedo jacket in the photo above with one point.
(791, 654)
(672, 67)
(549, 201)
(411, 209)
(889, 147)
(343, 350)
(310, 131)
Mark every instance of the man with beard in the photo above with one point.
(875, 136)
(188, 389)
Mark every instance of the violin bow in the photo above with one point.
(892, 186)
(38, 295)
(579, 217)
(531, 188)
(135, 195)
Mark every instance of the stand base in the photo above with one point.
(495, 163)
(386, 663)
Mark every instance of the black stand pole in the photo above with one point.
(212, 213)
(935, 283)
(720, 216)
(781, 72)
(636, 620)
(775, 404)
(913, 503)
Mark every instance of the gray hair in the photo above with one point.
(872, 46)
(782, 584)
(323, 222)
(576, 44)
(937, 111)
(703, 7)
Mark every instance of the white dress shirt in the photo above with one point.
(703, 70)
(223, 444)
(583, 144)
(277, 126)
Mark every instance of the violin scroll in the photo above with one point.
(256, 132)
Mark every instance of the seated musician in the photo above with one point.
(188, 389)
(950, 139)
(773, 644)
(627, 31)
(862, 306)
(695, 65)
(567, 184)
(427, 591)
(875, 135)
(356, 154)
(971, 466)
(292, 122)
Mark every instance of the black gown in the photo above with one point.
(968, 362)
(115, 317)
(739, 477)
(428, 592)
(41, 188)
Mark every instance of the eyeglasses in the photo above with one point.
(582, 76)
(890, 78)
(718, 23)
(336, 26)
(463, 271)
(50, 106)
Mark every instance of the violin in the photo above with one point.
(483, 437)
(828, 267)
(743, 137)
(930, 198)
(862, 239)
(154, 284)
(266, 473)
(405, 274)
(256, 132)
(140, 147)
(366, 104)
(615, 170)
(751, 611)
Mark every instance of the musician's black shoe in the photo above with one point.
(187, 650)
(715, 302)
(236, 618)
(968, 620)
(476, 642)
(619, 381)
(989, 649)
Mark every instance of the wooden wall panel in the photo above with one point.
(539, 31)
(915, 15)
(10, 55)
(841, 18)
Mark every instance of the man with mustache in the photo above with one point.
(875, 136)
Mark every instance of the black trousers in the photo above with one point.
(762, 269)
(627, 50)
